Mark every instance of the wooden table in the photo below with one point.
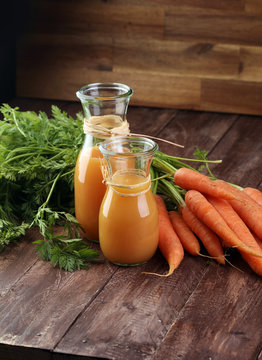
(203, 311)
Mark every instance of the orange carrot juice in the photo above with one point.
(128, 220)
(89, 190)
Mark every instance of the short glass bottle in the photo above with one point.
(105, 107)
(128, 218)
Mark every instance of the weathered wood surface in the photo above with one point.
(203, 55)
(203, 311)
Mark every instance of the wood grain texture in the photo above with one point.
(241, 153)
(124, 19)
(166, 50)
(253, 7)
(186, 58)
(195, 130)
(229, 332)
(227, 29)
(184, 91)
(229, 95)
(16, 261)
(44, 302)
(249, 66)
(135, 311)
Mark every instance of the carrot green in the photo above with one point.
(37, 157)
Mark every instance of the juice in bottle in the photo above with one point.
(89, 190)
(128, 220)
(105, 106)
(128, 217)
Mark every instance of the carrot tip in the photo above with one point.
(219, 259)
(160, 275)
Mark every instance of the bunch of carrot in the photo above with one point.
(212, 212)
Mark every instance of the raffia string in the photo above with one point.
(106, 126)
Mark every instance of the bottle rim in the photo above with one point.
(125, 90)
(104, 147)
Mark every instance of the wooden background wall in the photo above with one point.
(188, 54)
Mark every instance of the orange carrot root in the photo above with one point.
(258, 240)
(249, 211)
(199, 205)
(169, 243)
(237, 225)
(255, 194)
(206, 235)
(190, 179)
(185, 234)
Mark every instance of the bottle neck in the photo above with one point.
(131, 186)
(91, 141)
(106, 126)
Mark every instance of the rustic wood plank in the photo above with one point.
(224, 6)
(16, 260)
(161, 48)
(221, 320)
(101, 17)
(45, 302)
(195, 130)
(253, 7)
(185, 58)
(133, 307)
(91, 51)
(241, 151)
(175, 91)
(236, 6)
(250, 61)
(173, 57)
(231, 96)
(149, 121)
(226, 29)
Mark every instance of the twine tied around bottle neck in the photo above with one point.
(106, 126)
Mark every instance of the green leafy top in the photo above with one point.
(37, 158)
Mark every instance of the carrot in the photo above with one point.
(255, 194)
(199, 205)
(185, 234)
(237, 225)
(193, 180)
(168, 242)
(258, 240)
(249, 211)
(207, 236)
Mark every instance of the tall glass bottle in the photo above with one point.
(128, 218)
(105, 107)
